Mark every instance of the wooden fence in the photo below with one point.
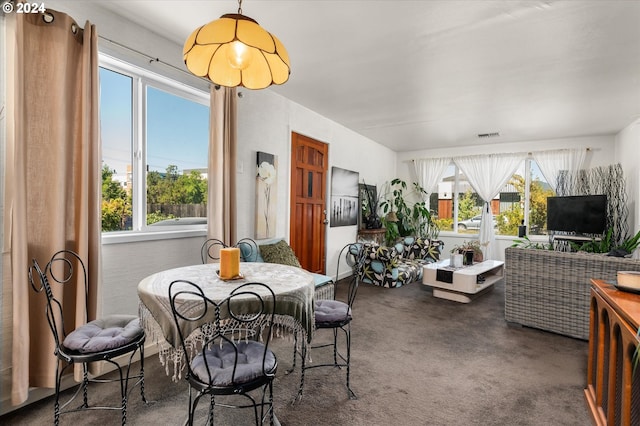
(179, 210)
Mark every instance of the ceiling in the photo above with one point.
(415, 75)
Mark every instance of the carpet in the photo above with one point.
(416, 360)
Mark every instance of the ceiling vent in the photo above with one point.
(488, 135)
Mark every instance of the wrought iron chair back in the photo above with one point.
(228, 331)
(67, 268)
(211, 248)
(354, 256)
(64, 260)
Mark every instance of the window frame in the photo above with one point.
(527, 203)
(141, 80)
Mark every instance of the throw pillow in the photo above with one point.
(279, 252)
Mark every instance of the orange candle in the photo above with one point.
(229, 262)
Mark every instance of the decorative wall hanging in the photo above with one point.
(368, 202)
(344, 197)
(608, 180)
(266, 195)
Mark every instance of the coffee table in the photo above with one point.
(462, 284)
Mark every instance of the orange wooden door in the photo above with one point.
(309, 164)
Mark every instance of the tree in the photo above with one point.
(169, 188)
(116, 202)
(538, 202)
(467, 206)
(508, 221)
(111, 189)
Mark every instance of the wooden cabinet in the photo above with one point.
(613, 398)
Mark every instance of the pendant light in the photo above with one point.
(235, 51)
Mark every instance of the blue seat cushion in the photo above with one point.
(104, 334)
(320, 280)
(250, 253)
(331, 312)
(221, 359)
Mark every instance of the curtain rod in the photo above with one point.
(153, 59)
(530, 153)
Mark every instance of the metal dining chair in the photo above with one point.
(336, 315)
(102, 339)
(229, 363)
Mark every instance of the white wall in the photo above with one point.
(628, 155)
(265, 123)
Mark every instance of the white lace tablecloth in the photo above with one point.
(293, 287)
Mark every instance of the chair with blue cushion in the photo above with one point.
(229, 363)
(337, 315)
(210, 250)
(102, 339)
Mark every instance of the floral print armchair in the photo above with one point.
(400, 264)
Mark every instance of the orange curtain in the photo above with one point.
(221, 205)
(52, 195)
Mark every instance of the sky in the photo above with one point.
(178, 128)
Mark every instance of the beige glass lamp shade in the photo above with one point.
(235, 51)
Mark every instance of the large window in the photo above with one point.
(523, 200)
(155, 135)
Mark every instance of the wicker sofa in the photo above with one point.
(550, 290)
(395, 266)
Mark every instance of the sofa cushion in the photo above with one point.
(419, 248)
(279, 252)
(380, 265)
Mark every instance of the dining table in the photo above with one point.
(294, 303)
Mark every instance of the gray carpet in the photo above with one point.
(416, 360)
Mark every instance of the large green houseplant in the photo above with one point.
(403, 216)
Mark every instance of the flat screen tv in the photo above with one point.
(582, 214)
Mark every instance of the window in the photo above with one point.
(459, 206)
(155, 138)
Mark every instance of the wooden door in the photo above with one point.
(308, 218)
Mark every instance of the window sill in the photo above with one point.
(134, 236)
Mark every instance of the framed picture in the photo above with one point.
(266, 195)
(344, 197)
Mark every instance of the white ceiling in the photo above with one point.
(423, 74)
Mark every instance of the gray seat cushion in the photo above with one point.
(221, 360)
(331, 312)
(103, 334)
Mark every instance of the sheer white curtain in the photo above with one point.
(552, 162)
(487, 174)
(430, 172)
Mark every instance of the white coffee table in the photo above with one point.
(462, 284)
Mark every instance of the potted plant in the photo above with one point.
(470, 250)
(403, 218)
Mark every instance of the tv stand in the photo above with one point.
(563, 242)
